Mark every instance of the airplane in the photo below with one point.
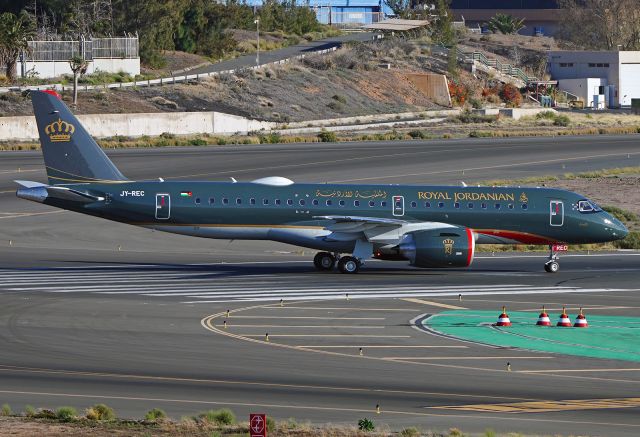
(429, 226)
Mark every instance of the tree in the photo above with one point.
(442, 29)
(400, 8)
(14, 31)
(79, 66)
(602, 24)
(505, 23)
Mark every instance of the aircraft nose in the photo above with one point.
(619, 229)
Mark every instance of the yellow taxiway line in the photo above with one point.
(433, 304)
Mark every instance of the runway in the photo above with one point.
(102, 312)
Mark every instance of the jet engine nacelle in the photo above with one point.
(448, 247)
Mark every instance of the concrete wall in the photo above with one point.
(135, 125)
(433, 86)
(47, 69)
(583, 88)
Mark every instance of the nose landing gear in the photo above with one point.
(552, 265)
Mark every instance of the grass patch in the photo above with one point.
(223, 416)
(155, 415)
(100, 412)
(6, 410)
(66, 414)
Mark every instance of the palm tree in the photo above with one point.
(505, 23)
(14, 31)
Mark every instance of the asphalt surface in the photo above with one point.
(271, 56)
(94, 311)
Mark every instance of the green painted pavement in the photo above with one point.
(609, 337)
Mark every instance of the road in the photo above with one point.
(101, 312)
(270, 56)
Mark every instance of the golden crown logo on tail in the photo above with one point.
(59, 131)
(448, 246)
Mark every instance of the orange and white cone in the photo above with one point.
(543, 319)
(581, 321)
(503, 319)
(564, 319)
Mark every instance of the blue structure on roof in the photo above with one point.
(343, 11)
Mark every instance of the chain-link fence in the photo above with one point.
(123, 48)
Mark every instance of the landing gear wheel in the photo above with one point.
(348, 264)
(552, 267)
(324, 261)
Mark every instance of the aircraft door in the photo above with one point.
(556, 211)
(163, 206)
(398, 206)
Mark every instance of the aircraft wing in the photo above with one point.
(384, 231)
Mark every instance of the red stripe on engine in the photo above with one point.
(472, 246)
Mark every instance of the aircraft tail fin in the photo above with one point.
(70, 154)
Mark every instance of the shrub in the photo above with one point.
(336, 106)
(339, 98)
(46, 414)
(327, 136)
(272, 138)
(631, 241)
(155, 415)
(198, 142)
(417, 134)
(475, 103)
(100, 412)
(458, 92)
(271, 424)
(489, 433)
(511, 95)
(29, 411)
(548, 115)
(366, 425)
(562, 120)
(6, 410)
(223, 416)
(621, 214)
(410, 432)
(66, 414)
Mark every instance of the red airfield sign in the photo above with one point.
(258, 425)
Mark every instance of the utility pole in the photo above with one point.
(257, 21)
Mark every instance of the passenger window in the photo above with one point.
(383, 203)
(511, 206)
(238, 201)
(265, 201)
(525, 206)
(252, 201)
(483, 206)
(197, 201)
(372, 203)
(212, 200)
(470, 205)
(456, 205)
(329, 202)
(427, 204)
(315, 202)
(440, 204)
(497, 206)
(225, 201)
(414, 204)
(341, 203)
(277, 202)
(289, 202)
(356, 203)
(302, 202)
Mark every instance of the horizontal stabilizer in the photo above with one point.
(39, 192)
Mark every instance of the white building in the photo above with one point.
(47, 59)
(600, 79)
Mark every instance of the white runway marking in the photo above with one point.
(204, 286)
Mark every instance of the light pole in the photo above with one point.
(257, 21)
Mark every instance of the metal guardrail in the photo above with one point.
(162, 81)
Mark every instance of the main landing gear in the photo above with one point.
(552, 266)
(327, 261)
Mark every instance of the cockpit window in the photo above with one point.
(587, 206)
